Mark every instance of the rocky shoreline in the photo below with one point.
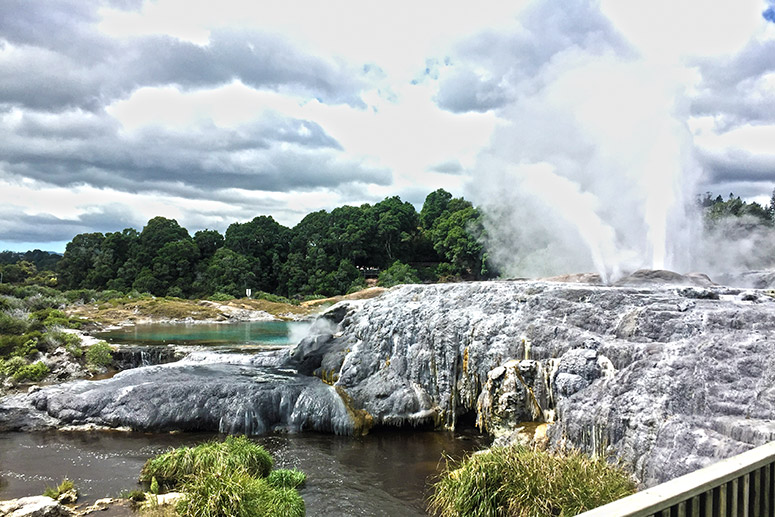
(666, 372)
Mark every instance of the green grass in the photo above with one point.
(236, 452)
(284, 478)
(520, 482)
(232, 478)
(54, 492)
(235, 493)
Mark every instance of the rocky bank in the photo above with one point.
(666, 372)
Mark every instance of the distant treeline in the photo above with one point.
(325, 254)
(716, 208)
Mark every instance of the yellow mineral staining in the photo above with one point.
(362, 420)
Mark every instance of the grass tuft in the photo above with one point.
(520, 482)
(236, 452)
(284, 478)
(230, 478)
(54, 492)
(238, 494)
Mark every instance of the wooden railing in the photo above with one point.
(741, 486)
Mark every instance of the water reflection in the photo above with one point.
(249, 333)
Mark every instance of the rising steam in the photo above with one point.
(591, 172)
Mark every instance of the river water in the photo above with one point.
(385, 473)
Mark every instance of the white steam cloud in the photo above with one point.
(592, 171)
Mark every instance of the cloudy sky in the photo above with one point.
(113, 112)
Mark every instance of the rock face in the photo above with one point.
(668, 378)
(236, 395)
(668, 373)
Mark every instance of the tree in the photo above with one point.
(174, 266)
(396, 223)
(114, 252)
(208, 242)
(436, 203)
(156, 233)
(227, 272)
(79, 258)
(264, 240)
(350, 232)
(455, 236)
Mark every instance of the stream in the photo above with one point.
(385, 473)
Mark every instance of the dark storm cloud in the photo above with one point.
(730, 89)
(738, 166)
(488, 69)
(274, 153)
(257, 59)
(449, 167)
(54, 58)
(16, 226)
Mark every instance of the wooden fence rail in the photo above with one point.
(741, 486)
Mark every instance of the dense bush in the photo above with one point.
(520, 482)
(99, 354)
(12, 325)
(398, 273)
(31, 372)
(12, 365)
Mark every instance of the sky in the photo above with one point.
(116, 111)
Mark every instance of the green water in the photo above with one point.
(256, 333)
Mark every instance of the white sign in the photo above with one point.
(248, 292)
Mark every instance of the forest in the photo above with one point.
(325, 254)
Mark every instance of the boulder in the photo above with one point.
(35, 506)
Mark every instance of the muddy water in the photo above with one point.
(382, 474)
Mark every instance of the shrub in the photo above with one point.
(12, 365)
(525, 483)
(27, 348)
(109, 294)
(175, 292)
(31, 372)
(263, 295)
(398, 273)
(81, 295)
(221, 297)
(49, 318)
(66, 339)
(99, 354)
(39, 301)
(12, 325)
(173, 467)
